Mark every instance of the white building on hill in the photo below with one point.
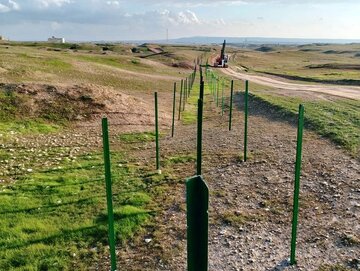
(2, 38)
(56, 40)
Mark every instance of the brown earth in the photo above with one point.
(81, 102)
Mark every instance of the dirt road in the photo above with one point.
(339, 91)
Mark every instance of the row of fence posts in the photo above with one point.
(197, 191)
(197, 202)
(185, 91)
(213, 81)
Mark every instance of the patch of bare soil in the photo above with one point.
(183, 64)
(80, 102)
(84, 106)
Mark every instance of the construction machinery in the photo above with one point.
(221, 61)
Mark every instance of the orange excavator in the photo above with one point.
(221, 61)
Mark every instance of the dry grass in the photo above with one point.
(295, 60)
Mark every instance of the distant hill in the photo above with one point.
(249, 40)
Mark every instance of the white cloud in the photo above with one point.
(9, 5)
(119, 19)
(57, 3)
(165, 16)
(188, 17)
(113, 3)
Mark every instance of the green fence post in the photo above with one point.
(201, 94)
(109, 201)
(217, 92)
(213, 87)
(246, 119)
(297, 184)
(157, 135)
(199, 137)
(231, 104)
(174, 108)
(184, 98)
(180, 102)
(186, 90)
(189, 92)
(222, 99)
(197, 203)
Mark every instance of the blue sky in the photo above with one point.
(83, 20)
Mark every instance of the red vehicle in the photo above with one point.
(222, 60)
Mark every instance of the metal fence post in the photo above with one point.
(109, 201)
(231, 104)
(297, 184)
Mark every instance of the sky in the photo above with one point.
(114, 20)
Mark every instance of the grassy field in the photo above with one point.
(327, 63)
(53, 217)
(21, 63)
(336, 118)
(56, 219)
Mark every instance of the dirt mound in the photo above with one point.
(264, 49)
(335, 66)
(337, 52)
(309, 50)
(183, 64)
(75, 102)
(155, 50)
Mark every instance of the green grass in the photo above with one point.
(189, 116)
(336, 267)
(56, 219)
(28, 127)
(180, 159)
(13, 118)
(24, 64)
(137, 137)
(338, 120)
(118, 62)
(45, 63)
(295, 61)
(236, 219)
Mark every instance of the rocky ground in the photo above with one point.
(250, 202)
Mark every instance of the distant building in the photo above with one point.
(56, 40)
(2, 38)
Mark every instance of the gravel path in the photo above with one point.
(251, 203)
